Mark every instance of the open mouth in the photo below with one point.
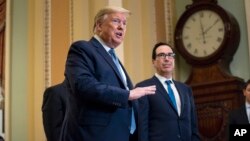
(119, 34)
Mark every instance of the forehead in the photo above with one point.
(164, 48)
(119, 15)
(248, 86)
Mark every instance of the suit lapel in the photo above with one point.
(100, 49)
(244, 114)
(180, 91)
(129, 82)
(164, 93)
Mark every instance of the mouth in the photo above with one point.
(166, 65)
(119, 34)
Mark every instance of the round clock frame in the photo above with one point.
(208, 40)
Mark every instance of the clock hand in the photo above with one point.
(205, 32)
(202, 32)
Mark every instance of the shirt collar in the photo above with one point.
(107, 48)
(247, 105)
(163, 79)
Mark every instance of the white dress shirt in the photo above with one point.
(248, 110)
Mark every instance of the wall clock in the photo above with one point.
(205, 33)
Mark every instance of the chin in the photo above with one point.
(117, 43)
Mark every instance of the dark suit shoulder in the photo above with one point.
(81, 44)
(147, 82)
(54, 94)
(238, 116)
(85, 48)
(56, 90)
(239, 110)
(86, 44)
(181, 84)
(54, 87)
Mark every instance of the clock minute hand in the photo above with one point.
(211, 26)
(202, 32)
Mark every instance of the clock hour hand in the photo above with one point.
(202, 32)
(205, 32)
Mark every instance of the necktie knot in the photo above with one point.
(168, 82)
(171, 93)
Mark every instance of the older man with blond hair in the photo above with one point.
(103, 103)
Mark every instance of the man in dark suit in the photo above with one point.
(170, 114)
(54, 108)
(104, 101)
(242, 114)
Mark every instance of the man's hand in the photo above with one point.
(141, 91)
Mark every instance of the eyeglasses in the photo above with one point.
(164, 55)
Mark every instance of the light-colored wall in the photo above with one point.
(240, 65)
(19, 71)
(140, 38)
(60, 38)
(247, 9)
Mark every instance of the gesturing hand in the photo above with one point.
(141, 91)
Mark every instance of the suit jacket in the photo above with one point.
(99, 108)
(238, 116)
(53, 108)
(158, 118)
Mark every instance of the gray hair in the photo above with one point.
(102, 14)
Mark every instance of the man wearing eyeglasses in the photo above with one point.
(170, 113)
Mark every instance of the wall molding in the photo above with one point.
(169, 20)
(47, 42)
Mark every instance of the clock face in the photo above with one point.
(203, 33)
(206, 33)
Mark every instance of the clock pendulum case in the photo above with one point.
(207, 37)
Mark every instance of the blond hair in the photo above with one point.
(102, 14)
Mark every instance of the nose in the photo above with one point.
(167, 57)
(121, 26)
